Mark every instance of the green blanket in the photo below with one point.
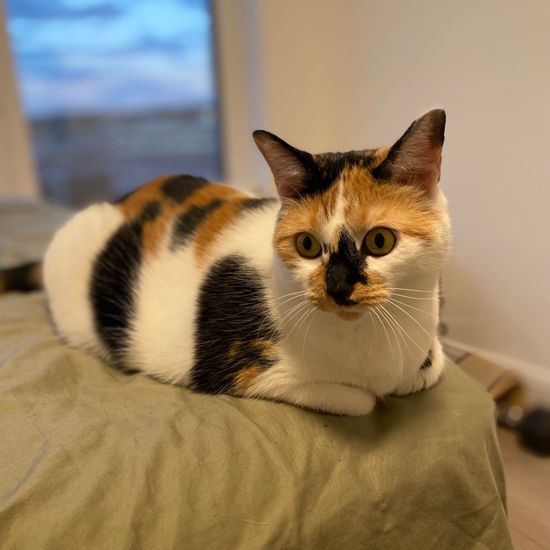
(94, 458)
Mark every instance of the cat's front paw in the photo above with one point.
(329, 398)
(335, 399)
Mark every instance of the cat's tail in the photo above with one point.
(23, 278)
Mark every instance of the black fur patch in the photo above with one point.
(233, 325)
(150, 212)
(321, 170)
(384, 171)
(427, 362)
(325, 169)
(188, 222)
(254, 204)
(179, 188)
(20, 278)
(345, 268)
(113, 283)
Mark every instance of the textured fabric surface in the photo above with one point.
(25, 229)
(94, 458)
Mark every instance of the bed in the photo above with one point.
(95, 458)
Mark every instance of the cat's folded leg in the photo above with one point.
(326, 397)
(427, 374)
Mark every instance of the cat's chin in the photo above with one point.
(349, 315)
(344, 313)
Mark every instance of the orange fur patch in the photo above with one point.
(264, 347)
(248, 373)
(207, 194)
(317, 287)
(155, 230)
(214, 224)
(370, 204)
(308, 214)
(133, 205)
(380, 155)
(245, 378)
(374, 292)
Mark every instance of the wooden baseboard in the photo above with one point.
(534, 379)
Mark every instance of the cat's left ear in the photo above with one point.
(289, 165)
(415, 158)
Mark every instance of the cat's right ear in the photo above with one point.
(288, 164)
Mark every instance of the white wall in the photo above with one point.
(336, 75)
(17, 173)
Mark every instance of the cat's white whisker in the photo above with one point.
(380, 318)
(284, 311)
(296, 325)
(311, 318)
(404, 331)
(287, 298)
(392, 320)
(294, 314)
(373, 320)
(289, 314)
(302, 317)
(412, 289)
(404, 304)
(416, 298)
(291, 294)
(383, 313)
(412, 318)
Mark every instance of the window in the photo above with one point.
(117, 92)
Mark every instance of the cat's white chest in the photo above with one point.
(372, 352)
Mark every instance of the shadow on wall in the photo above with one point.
(473, 309)
(475, 314)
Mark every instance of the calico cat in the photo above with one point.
(325, 298)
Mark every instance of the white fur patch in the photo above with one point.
(332, 227)
(162, 333)
(68, 269)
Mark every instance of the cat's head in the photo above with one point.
(353, 226)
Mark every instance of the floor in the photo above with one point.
(528, 487)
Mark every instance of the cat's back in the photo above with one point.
(117, 273)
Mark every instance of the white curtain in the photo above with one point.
(17, 172)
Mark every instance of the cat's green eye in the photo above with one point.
(380, 241)
(308, 246)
